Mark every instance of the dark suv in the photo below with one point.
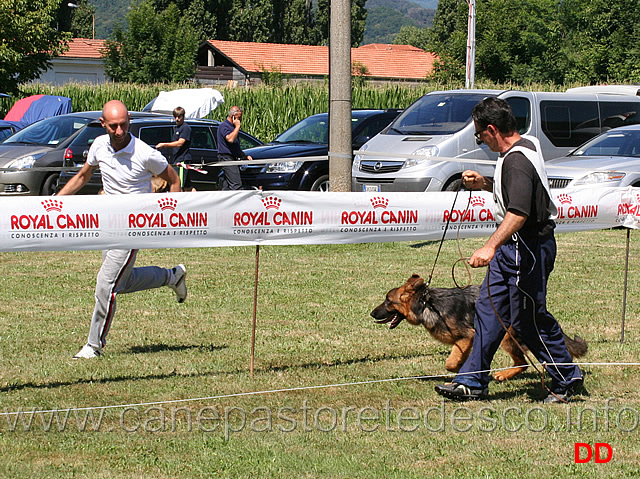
(153, 130)
(309, 137)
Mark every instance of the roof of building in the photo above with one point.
(381, 60)
(84, 48)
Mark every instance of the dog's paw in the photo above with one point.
(499, 376)
(508, 373)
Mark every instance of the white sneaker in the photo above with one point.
(180, 285)
(88, 352)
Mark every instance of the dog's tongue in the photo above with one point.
(396, 319)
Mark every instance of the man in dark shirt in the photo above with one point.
(182, 142)
(229, 149)
(520, 255)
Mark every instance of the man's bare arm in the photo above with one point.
(170, 176)
(80, 179)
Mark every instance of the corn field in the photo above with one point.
(267, 110)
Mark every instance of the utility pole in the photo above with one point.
(340, 154)
(471, 45)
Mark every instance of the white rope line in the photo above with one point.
(273, 391)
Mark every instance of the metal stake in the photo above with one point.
(255, 312)
(624, 291)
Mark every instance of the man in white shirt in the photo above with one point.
(127, 165)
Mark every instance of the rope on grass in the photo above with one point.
(273, 391)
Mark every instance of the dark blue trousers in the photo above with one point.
(516, 284)
(231, 174)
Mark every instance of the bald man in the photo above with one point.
(127, 165)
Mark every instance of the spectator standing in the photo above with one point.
(229, 148)
(182, 142)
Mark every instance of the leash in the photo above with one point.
(425, 294)
(424, 298)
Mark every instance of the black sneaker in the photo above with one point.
(461, 392)
(564, 395)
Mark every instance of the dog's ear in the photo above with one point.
(415, 281)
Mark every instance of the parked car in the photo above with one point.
(6, 129)
(417, 148)
(24, 152)
(611, 159)
(309, 137)
(153, 128)
(31, 109)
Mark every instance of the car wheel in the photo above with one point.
(454, 185)
(321, 184)
(50, 184)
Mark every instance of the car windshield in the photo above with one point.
(437, 114)
(612, 143)
(88, 134)
(49, 131)
(314, 129)
(4, 133)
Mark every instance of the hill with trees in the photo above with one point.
(385, 17)
(520, 41)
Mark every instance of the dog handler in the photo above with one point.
(127, 165)
(520, 255)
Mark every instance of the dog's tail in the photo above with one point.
(577, 346)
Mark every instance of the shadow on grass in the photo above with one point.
(346, 362)
(532, 387)
(157, 348)
(173, 374)
(423, 244)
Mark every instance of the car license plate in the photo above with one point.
(371, 188)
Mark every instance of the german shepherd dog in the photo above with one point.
(448, 313)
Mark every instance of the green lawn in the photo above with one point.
(177, 373)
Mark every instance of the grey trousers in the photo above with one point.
(117, 275)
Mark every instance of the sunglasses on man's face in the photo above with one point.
(477, 135)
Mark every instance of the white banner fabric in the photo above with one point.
(223, 218)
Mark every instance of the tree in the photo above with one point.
(28, 40)
(358, 21)
(81, 18)
(157, 47)
(560, 41)
(202, 21)
(517, 40)
(602, 40)
(252, 21)
(411, 35)
(297, 23)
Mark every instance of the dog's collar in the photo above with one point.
(425, 297)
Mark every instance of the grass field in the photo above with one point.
(340, 396)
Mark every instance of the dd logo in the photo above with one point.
(590, 452)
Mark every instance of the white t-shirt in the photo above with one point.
(128, 170)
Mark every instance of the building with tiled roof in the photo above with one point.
(82, 63)
(220, 60)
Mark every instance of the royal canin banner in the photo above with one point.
(223, 218)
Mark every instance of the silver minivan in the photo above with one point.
(431, 143)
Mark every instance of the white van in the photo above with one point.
(410, 154)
